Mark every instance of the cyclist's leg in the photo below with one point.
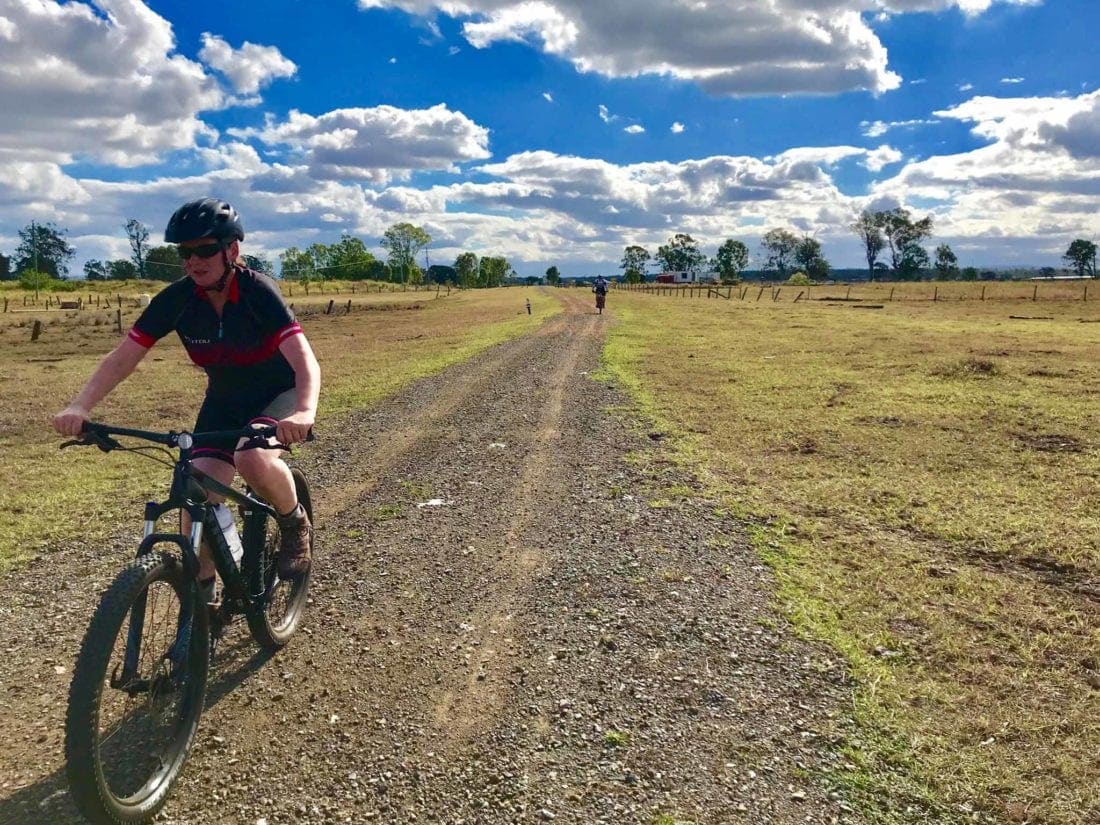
(267, 474)
(215, 458)
(264, 470)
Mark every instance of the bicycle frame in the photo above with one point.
(189, 492)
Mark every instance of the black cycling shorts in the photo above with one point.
(232, 414)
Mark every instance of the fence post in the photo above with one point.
(349, 306)
(775, 295)
(891, 294)
(758, 294)
(1035, 293)
(1085, 298)
(36, 330)
(848, 293)
(983, 292)
(6, 301)
(118, 320)
(800, 294)
(330, 303)
(935, 294)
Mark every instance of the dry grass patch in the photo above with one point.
(364, 356)
(923, 480)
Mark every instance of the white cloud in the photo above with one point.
(883, 156)
(379, 143)
(634, 129)
(548, 97)
(878, 128)
(676, 128)
(965, 87)
(248, 68)
(1012, 80)
(102, 83)
(605, 115)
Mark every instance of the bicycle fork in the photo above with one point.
(129, 680)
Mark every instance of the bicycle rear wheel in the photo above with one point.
(131, 720)
(284, 602)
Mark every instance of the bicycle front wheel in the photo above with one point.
(137, 693)
(283, 603)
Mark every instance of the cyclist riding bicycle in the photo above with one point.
(260, 368)
(599, 286)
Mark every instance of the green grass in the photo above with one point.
(922, 481)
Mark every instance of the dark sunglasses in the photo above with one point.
(205, 251)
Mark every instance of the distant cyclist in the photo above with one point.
(234, 323)
(599, 286)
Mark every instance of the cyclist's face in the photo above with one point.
(207, 271)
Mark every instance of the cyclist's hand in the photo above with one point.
(70, 421)
(294, 428)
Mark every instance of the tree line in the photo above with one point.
(44, 254)
(893, 246)
(892, 241)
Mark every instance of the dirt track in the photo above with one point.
(544, 646)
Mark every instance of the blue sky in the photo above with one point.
(556, 131)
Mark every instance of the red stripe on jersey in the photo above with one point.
(139, 337)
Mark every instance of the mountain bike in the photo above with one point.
(140, 677)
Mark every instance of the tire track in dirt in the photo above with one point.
(463, 708)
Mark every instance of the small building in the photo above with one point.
(676, 277)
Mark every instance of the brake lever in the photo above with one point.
(93, 439)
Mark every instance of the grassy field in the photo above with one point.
(365, 356)
(923, 479)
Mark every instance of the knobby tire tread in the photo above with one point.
(89, 680)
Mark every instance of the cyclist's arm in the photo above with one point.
(307, 383)
(111, 371)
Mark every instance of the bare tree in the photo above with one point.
(138, 233)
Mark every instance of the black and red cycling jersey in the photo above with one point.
(238, 350)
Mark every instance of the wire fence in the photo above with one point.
(881, 292)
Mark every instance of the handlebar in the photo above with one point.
(99, 435)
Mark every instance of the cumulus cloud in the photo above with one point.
(634, 129)
(377, 144)
(549, 98)
(676, 128)
(736, 47)
(100, 82)
(248, 68)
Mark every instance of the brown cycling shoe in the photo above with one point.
(295, 544)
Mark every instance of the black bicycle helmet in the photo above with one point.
(204, 218)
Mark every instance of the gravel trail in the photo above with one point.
(503, 629)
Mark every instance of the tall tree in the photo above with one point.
(257, 263)
(1081, 258)
(869, 230)
(348, 258)
(162, 263)
(633, 263)
(121, 270)
(552, 276)
(808, 256)
(903, 237)
(5, 268)
(780, 246)
(138, 235)
(466, 269)
(441, 274)
(43, 246)
(680, 254)
(296, 265)
(947, 264)
(404, 241)
(731, 260)
(492, 271)
(95, 270)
